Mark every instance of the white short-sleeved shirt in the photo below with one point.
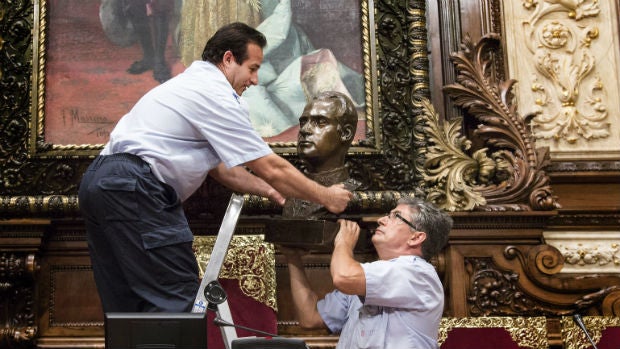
(187, 126)
(402, 307)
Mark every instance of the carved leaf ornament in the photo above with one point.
(507, 174)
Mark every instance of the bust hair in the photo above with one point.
(233, 37)
(345, 109)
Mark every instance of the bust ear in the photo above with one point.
(347, 133)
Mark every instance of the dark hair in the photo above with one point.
(434, 222)
(233, 37)
(345, 109)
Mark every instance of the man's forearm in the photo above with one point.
(347, 273)
(289, 181)
(239, 179)
(304, 298)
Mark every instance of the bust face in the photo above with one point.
(319, 138)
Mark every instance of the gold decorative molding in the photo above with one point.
(530, 332)
(574, 338)
(249, 259)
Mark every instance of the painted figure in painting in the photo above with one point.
(200, 19)
(146, 22)
(150, 19)
(293, 72)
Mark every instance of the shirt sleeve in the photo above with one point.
(223, 120)
(334, 310)
(402, 283)
(234, 138)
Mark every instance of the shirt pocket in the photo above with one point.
(118, 198)
(171, 255)
(371, 327)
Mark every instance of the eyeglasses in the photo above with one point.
(395, 214)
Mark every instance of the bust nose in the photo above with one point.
(305, 129)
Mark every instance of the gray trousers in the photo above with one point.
(138, 237)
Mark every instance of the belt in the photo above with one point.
(121, 157)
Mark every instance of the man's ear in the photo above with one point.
(417, 238)
(228, 57)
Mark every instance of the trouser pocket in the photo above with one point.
(170, 251)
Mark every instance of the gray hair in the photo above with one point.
(427, 218)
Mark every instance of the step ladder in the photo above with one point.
(210, 294)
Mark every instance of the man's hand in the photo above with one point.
(275, 196)
(348, 234)
(347, 273)
(337, 198)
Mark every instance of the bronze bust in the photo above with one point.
(327, 127)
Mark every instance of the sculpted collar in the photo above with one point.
(330, 177)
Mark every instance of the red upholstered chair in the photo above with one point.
(604, 331)
(493, 333)
(248, 276)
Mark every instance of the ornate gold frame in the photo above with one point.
(38, 147)
(249, 259)
(41, 179)
(574, 338)
(530, 332)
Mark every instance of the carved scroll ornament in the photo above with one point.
(507, 174)
(526, 281)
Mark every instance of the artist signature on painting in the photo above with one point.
(93, 125)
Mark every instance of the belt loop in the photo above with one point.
(98, 161)
(146, 166)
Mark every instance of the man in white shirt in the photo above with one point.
(195, 124)
(394, 302)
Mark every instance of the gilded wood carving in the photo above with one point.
(575, 338)
(508, 172)
(527, 332)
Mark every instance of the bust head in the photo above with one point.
(326, 129)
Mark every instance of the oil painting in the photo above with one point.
(98, 57)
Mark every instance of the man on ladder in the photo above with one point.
(131, 196)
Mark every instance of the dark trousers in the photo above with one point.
(138, 238)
